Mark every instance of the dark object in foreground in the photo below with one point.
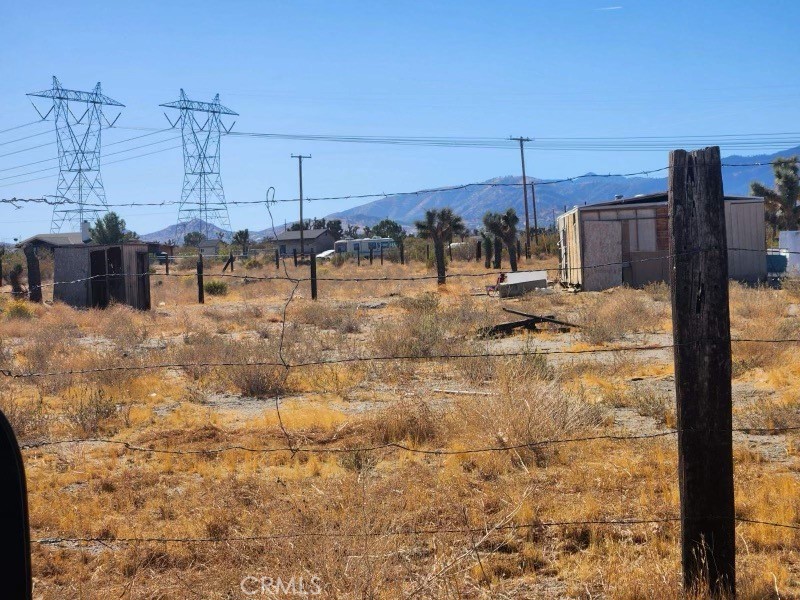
(15, 568)
(529, 323)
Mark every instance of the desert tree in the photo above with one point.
(193, 239)
(488, 246)
(335, 228)
(390, 229)
(110, 229)
(504, 226)
(440, 226)
(242, 239)
(781, 201)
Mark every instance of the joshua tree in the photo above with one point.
(781, 202)
(440, 226)
(242, 239)
(486, 240)
(497, 262)
(504, 226)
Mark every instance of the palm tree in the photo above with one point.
(440, 226)
(504, 226)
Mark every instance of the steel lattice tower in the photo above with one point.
(202, 197)
(80, 186)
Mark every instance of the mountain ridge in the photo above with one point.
(552, 196)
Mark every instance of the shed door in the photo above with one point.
(602, 255)
(142, 281)
(97, 272)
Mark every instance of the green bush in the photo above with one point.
(216, 288)
(18, 310)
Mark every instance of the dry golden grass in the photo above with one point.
(357, 496)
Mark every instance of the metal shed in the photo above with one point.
(626, 242)
(89, 275)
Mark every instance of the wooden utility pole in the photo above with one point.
(535, 219)
(522, 141)
(300, 158)
(702, 349)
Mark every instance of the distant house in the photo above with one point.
(94, 275)
(626, 242)
(209, 247)
(315, 240)
(48, 241)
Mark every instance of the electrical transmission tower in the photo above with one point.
(202, 197)
(80, 186)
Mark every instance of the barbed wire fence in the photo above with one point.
(283, 362)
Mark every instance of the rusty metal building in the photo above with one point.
(88, 275)
(626, 242)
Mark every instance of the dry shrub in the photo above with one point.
(651, 402)
(760, 313)
(27, 417)
(257, 381)
(618, 313)
(413, 334)
(658, 291)
(426, 302)
(330, 379)
(531, 414)
(340, 317)
(89, 411)
(791, 285)
(405, 422)
(18, 309)
(771, 414)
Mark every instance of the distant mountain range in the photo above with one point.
(551, 197)
(171, 232)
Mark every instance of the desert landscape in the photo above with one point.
(373, 444)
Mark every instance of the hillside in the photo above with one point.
(551, 198)
(171, 232)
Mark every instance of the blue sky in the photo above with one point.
(541, 69)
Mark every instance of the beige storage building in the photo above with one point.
(626, 242)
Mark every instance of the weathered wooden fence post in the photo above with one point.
(370, 256)
(478, 251)
(358, 257)
(277, 259)
(702, 349)
(201, 298)
(381, 253)
(402, 254)
(14, 528)
(294, 255)
(313, 275)
(450, 251)
(427, 252)
(34, 274)
(166, 264)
